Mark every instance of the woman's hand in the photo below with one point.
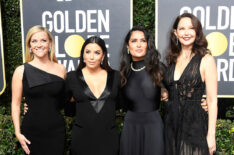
(23, 141)
(72, 100)
(204, 105)
(164, 94)
(25, 108)
(211, 144)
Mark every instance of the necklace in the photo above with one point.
(137, 70)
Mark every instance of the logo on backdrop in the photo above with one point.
(73, 21)
(2, 67)
(217, 18)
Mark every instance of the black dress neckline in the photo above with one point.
(96, 103)
(81, 76)
(191, 60)
(37, 77)
(138, 64)
(44, 71)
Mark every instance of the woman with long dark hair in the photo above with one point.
(141, 76)
(191, 71)
(94, 87)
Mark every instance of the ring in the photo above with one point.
(214, 151)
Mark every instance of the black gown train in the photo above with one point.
(186, 123)
(43, 125)
(142, 132)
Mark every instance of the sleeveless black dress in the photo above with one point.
(94, 131)
(142, 132)
(43, 125)
(186, 123)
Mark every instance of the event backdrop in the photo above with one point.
(217, 18)
(73, 21)
(2, 67)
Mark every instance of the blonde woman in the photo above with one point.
(41, 81)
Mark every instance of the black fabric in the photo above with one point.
(139, 92)
(43, 123)
(185, 120)
(97, 103)
(94, 131)
(142, 132)
(37, 77)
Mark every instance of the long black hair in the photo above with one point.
(101, 43)
(151, 58)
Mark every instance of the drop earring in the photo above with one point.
(30, 50)
(177, 41)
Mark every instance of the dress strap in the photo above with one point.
(36, 77)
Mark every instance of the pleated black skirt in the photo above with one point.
(142, 134)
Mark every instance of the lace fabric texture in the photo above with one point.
(186, 123)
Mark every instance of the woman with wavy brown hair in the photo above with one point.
(141, 76)
(191, 71)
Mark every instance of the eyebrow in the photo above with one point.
(137, 38)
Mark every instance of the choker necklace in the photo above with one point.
(137, 70)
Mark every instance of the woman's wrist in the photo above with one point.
(17, 133)
(211, 133)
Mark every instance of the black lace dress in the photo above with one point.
(142, 132)
(186, 123)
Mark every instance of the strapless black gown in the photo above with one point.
(43, 124)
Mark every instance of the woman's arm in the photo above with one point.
(17, 89)
(210, 77)
(70, 104)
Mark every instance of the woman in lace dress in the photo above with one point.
(189, 130)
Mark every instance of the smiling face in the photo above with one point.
(40, 44)
(93, 55)
(137, 45)
(185, 32)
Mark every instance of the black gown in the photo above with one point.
(186, 123)
(94, 131)
(43, 125)
(142, 132)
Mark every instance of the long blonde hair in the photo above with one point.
(32, 31)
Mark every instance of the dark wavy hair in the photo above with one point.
(199, 45)
(151, 58)
(101, 43)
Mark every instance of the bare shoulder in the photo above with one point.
(61, 70)
(19, 70)
(62, 67)
(18, 73)
(208, 58)
(207, 61)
